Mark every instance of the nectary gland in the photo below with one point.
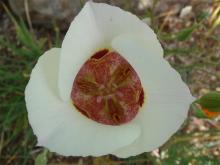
(107, 89)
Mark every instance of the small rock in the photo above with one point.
(143, 4)
(218, 89)
(203, 91)
(185, 11)
(45, 11)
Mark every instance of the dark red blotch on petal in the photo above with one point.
(100, 54)
(107, 89)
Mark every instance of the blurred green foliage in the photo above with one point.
(17, 137)
(30, 46)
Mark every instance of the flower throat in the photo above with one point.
(107, 89)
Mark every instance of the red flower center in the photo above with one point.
(107, 89)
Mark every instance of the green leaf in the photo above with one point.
(41, 159)
(210, 101)
(186, 33)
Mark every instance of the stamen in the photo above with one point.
(141, 98)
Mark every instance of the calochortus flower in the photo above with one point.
(107, 90)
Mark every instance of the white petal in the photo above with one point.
(92, 29)
(59, 126)
(167, 98)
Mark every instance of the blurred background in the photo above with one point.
(189, 31)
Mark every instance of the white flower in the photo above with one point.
(60, 127)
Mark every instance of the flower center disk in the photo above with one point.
(107, 89)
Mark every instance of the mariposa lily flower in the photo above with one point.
(107, 90)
